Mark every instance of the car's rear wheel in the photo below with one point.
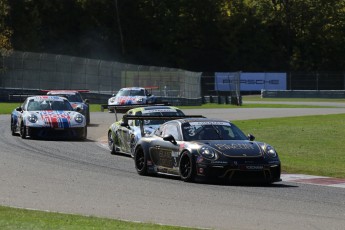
(23, 131)
(187, 167)
(111, 143)
(140, 161)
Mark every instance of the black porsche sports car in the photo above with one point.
(206, 148)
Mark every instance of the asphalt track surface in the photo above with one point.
(82, 177)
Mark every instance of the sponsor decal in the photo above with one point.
(158, 111)
(234, 146)
(196, 123)
(56, 119)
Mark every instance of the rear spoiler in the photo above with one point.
(127, 117)
(125, 108)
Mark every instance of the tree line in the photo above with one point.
(197, 35)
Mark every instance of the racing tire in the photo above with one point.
(187, 168)
(140, 161)
(83, 135)
(13, 132)
(88, 116)
(23, 131)
(111, 143)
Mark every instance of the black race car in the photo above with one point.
(195, 148)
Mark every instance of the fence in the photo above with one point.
(25, 70)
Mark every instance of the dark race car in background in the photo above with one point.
(48, 117)
(76, 100)
(202, 148)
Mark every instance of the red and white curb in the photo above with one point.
(296, 178)
(314, 180)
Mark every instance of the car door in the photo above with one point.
(20, 114)
(165, 153)
(124, 133)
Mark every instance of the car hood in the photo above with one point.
(55, 119)
(123, 100)
(235, 148)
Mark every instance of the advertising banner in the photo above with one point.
(251, 81)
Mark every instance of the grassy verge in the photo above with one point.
(14, 218)
(308, 144)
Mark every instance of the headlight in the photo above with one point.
(112, 100)
(208, 152)
(270, 151)
(32, 118)
(79, 118)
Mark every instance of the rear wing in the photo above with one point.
(125, 108)
(127, 117)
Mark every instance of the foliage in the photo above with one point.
(5, 30)
(208, 35)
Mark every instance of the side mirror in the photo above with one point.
(170, 138)
(19, 109)
(123, 124)
(251, 137)
(78, 109)
(86, 101)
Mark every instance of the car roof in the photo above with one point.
(46, 97)
(63, 92)
(132, 88)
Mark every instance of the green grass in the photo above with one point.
(258, 98)
(15, 218)
(308, 144)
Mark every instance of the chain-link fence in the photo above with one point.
(25, 70)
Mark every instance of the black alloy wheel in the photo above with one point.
(187, 168)
(111, 144)
(140, 161)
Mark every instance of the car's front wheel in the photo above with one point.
(111, 143)
(23, 131)
(13, 128)
(83, 135)
(187, 167)
(140, 161)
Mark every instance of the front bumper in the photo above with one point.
(59, 133)
(254, 172)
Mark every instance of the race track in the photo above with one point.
(83, 178)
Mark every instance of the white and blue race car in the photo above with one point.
(131, 96)
(46, 117)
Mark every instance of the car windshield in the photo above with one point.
(158, 122)
(212, 131)
(132, 92)
(34, 105)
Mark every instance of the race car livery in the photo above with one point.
(46, 117)
(202, 148)
(131, 96)
(122, 135)
(76, 100)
